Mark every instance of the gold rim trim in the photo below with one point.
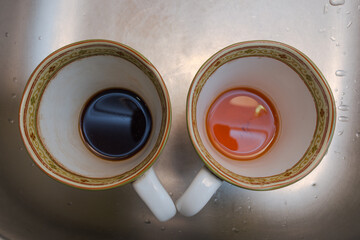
(311, 77)
(37, 83)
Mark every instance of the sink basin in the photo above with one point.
(178, 37)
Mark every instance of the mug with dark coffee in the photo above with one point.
(95, 115)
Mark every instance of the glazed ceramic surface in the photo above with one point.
(56, 94)
(300, 94)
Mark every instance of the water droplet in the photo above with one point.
(349, 24)
(338, 10)
(249, 207)
(147, 221)
(215, 200)
(337, 44)
(170, 193)
(316, 196)
(235, 230)
(359, 7)
(14, 79)
(11, 120)
(326, 8)
(21, 148)
(238, 209)
(343, 118)
(13, 95)
(336, 90)
(162, 228)
(6, 34)
(347, 12)
(180, 231)
(357, 134)
(340, 132)
(69, 203)
(313, 184)
(332, 38)
(40, 37)
(343, 107)
(322, 30)
(340, 73)
(287, 29)
(343, 158)
(244, 222)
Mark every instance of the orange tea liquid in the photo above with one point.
(242, 123)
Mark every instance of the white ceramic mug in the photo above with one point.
(306, 110)
(52, 104)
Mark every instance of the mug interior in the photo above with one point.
(56, 95)
(300, 95)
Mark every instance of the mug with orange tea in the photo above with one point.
(95, 115)
(260, 115)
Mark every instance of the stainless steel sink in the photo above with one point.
(177, 37)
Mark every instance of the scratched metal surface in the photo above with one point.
(177, 37)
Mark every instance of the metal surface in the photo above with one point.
(177, 37)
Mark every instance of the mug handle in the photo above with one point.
(154, 195)
(201, 189)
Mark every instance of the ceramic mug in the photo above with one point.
(52, 105)
(305, 109)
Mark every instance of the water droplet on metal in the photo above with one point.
(249, 207)
(313, 184)
(340, 73)
(340, 132)
(6, 34)
(244, 222)
(332, 38)
(337, 44)
(326, 8)
(14, 79)
(170, 193)
(287, 29)
(343, 158)
(349, 24)
(13, 95)
(235, 230)
(21, 148)
(347, 12)
(147, 221)
(316, 196)
(336, 90)
(40, 37)
(322, 30)
(343, 118)
(343, 107)
(357, 134)
(69, 203)
(11, 120)
(162, 228)
(33, 164)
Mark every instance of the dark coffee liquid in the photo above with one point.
(116, 123)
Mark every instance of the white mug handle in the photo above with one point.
(154, 195)
(201, 189)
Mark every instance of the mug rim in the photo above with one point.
(205, 156)
(84, 184)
